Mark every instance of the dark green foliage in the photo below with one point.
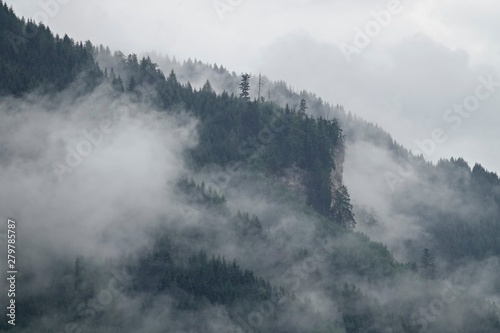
(486, 184)
(117, 84)
(359, 255)
(261, 137)
(342, 208)
(214, 279)
(245, 87)
(427, 266)
(32, 57)
(247, 226)
(200, 194)
(302, 108)
(132, 84)
(319, 189)
(221, 282)
(363, 314)
(459, 239)
(78, 272)
(464, 225)
(357, 314)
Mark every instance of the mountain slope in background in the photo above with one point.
(467, 206)
(172, 203)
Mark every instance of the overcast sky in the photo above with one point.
(422, 59)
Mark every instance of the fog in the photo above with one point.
(98, 175)
(109, 202)
(424, 61)
(80, 169)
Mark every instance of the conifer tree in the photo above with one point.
(245, 87)
(302, 108)
(342, 208)
(427, 267)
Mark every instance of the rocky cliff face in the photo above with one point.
(338, 169)
(294, 178)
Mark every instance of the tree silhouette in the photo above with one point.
(245, 87)
(427, 268)
(302, 108)
(342, 208)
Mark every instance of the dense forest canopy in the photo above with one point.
(248, 226)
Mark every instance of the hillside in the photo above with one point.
(155, 196)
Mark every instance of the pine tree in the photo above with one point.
(207, 88)
(427, 267)
(302, 108)
(132, 84)
(78, 272)
(245, 87)
(342, 208)
(117, 84)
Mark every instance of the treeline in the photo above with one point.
(261, 135)
(235, 130)
(463, 219)
(473, 231)
(32, 57)
(200, 194)
(203, 278)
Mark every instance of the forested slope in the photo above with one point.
(245, 228)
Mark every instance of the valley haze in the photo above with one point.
(248, 166)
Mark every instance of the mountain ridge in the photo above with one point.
(170, 188)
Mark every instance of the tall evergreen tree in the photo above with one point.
(427, 267)
(342, 208)
(132, 84)
(302, 108)
(245, 87)
(78, 272)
